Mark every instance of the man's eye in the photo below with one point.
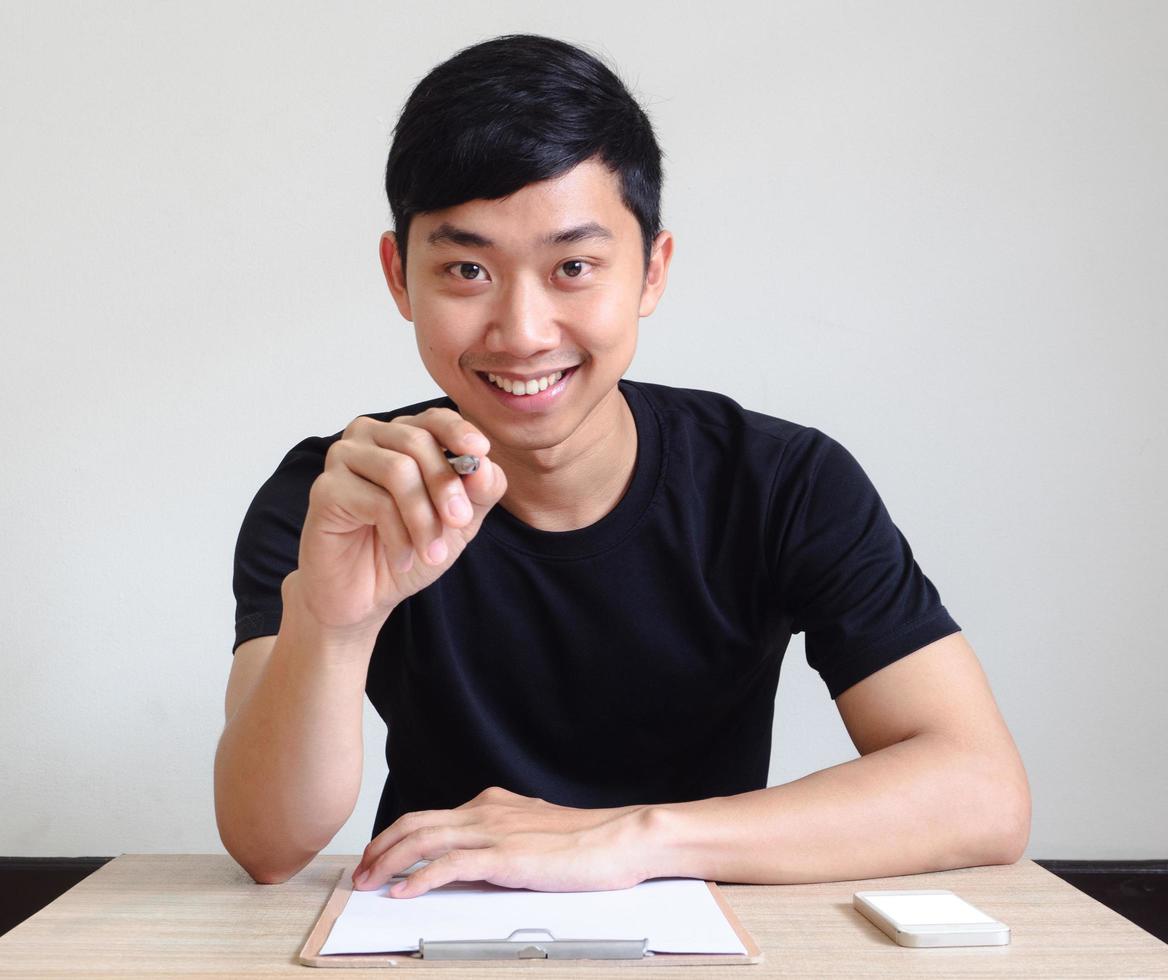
(470, 271)
(573, 268)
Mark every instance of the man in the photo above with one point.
(575, 648)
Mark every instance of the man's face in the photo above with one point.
(548, 280)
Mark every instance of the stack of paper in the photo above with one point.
(676, 915)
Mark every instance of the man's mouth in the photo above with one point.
(529, 386)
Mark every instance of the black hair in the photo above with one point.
(512, 111)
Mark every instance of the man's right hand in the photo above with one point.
(389, 515)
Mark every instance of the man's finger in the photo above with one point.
(442, 484)
(455, 865)
(430, 843)
(452, 431)
(486, 485)
(401, 828)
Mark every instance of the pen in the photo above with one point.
(463, 465)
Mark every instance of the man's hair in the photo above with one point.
(512, 111)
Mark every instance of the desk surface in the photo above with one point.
(159, 915)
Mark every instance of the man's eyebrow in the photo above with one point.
(580, 233)
(447, 233)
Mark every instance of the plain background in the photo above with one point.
(937, 231)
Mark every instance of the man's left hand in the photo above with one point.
(509, 840)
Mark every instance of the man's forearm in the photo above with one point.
(920, 805)
(288, 767)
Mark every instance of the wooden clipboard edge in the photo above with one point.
(753, 953)
(310, 954)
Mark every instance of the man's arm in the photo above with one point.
(939, 785)
(288, 767)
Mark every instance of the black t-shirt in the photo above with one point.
(634, 660)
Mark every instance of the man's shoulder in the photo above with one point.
(723, 418)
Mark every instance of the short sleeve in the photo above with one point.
(845, 573)
(268, 545)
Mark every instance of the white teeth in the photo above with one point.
(525, 387)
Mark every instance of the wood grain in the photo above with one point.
(193, 915)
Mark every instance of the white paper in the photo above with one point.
(676, 915)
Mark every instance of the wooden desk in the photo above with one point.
(145, 915)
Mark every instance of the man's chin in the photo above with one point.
(527, 439)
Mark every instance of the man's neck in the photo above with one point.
(574, 484)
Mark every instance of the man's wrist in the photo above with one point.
(333, 643)
(654, 838)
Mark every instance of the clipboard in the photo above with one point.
(506, 950)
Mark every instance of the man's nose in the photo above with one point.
(523, 322)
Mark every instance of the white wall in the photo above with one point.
(937, 231)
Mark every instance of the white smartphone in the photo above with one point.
(930, 918)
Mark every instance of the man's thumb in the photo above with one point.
(485, 488)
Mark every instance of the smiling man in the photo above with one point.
(576, 647)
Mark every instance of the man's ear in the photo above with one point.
(395, 275)
(657, 273)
